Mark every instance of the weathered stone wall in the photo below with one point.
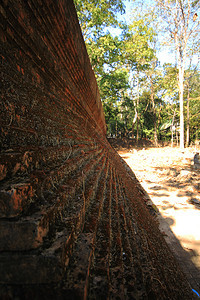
(73, 218)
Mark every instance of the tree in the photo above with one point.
(154, 80)
(96, 15)
(95, 18)
(182, 25)
(169, 90)
(137, 93)
(113, 85)
(138, 55)
(193, 103)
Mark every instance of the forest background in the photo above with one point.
(145, 55)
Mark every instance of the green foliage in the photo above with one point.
(137, 39)
(95, 15)
(169, 80)
(139, 96)
(104, 52)
(112, 86)
(192, 80)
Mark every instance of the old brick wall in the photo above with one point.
(73, 218)
(44, 54)
(46, 76)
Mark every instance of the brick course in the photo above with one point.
(73, 219)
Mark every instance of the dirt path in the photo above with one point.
(173, 184)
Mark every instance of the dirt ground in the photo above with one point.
(172, 182)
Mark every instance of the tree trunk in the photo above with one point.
(137, 136)
(138, 98)
(181, 44)
(134, 120)
(172, 137)
(136, 117)
(155, 131)
(181, 89)
(177, 138)
(154, 112)
(188, 118)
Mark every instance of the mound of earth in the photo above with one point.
(126, 143)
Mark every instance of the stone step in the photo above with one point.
(54, 259)
(108, 274)
(131, 257)
(19, 162)
(95, 206)
(92, 182)
(25, 234)
(111, 272)
(35, 268)
(99, 278)
(83, 255)
(29, 232)
(78, 270)
(79, 190)
(17, 197)
(97, 273)
(117, 280)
